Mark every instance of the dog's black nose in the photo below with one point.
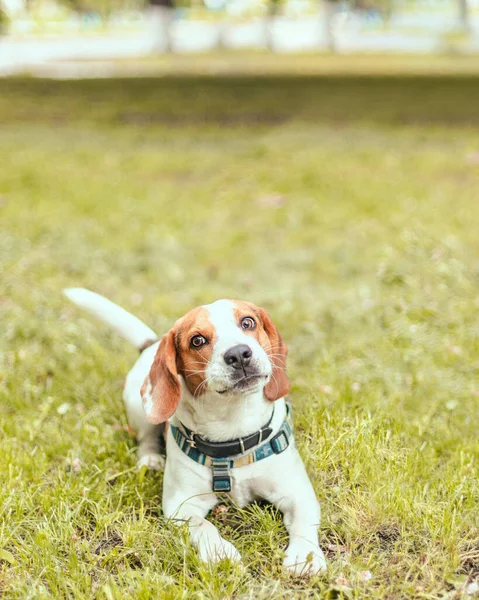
(238, 356)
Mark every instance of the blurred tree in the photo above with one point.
(383, 7)
(328, 9)
(464, 14)
(161, 16)
(3, 21)
(272, 11)
(102, 8)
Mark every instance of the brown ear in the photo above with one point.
(278, 386)
(162, 389)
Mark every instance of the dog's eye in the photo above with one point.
(197, 341)
(248, 323)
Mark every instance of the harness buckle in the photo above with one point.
(279, 442)
(191, 442)
(221, 476)
(221, 483)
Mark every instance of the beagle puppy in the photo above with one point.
(215, 386)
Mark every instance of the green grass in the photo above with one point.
(262, 62)
(348, 206)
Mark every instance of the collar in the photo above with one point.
(221, 466)
(232, 447)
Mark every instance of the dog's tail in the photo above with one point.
(126, 324)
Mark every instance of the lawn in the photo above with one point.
(348, 205)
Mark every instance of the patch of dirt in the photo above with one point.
(134, 561)
(387, 535)
(333, 545)
(109, 542)
(470, 560)
(336, 551)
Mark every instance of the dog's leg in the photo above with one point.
(204, 535)
(148, 435)
(296, 499)
(188, 498)
(149, 447)
(303, 554)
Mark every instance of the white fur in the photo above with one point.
(147, 397)
(187, 490)
(228, 334)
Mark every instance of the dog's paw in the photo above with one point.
(153, 462)
(304, 559)
(212, 551)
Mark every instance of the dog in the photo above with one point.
(215, 386)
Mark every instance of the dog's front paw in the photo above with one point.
(304, 559)
(153, 462)
(212, 551)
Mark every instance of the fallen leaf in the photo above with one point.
(76, 465)
(270, 200)
(473, 158)
(336, 548)
(221, 512)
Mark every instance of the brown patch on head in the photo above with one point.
(267, 335)
(192, 362)
(175, 356)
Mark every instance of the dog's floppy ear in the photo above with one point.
(278, 386)
(162, 388)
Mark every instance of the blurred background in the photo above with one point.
(320, 159)
(39, 35)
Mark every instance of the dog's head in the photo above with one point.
(229, 347)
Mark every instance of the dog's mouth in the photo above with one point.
(245, 384)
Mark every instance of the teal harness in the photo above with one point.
(221, 466)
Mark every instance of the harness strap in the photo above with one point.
(221, 466)
(231, 447)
